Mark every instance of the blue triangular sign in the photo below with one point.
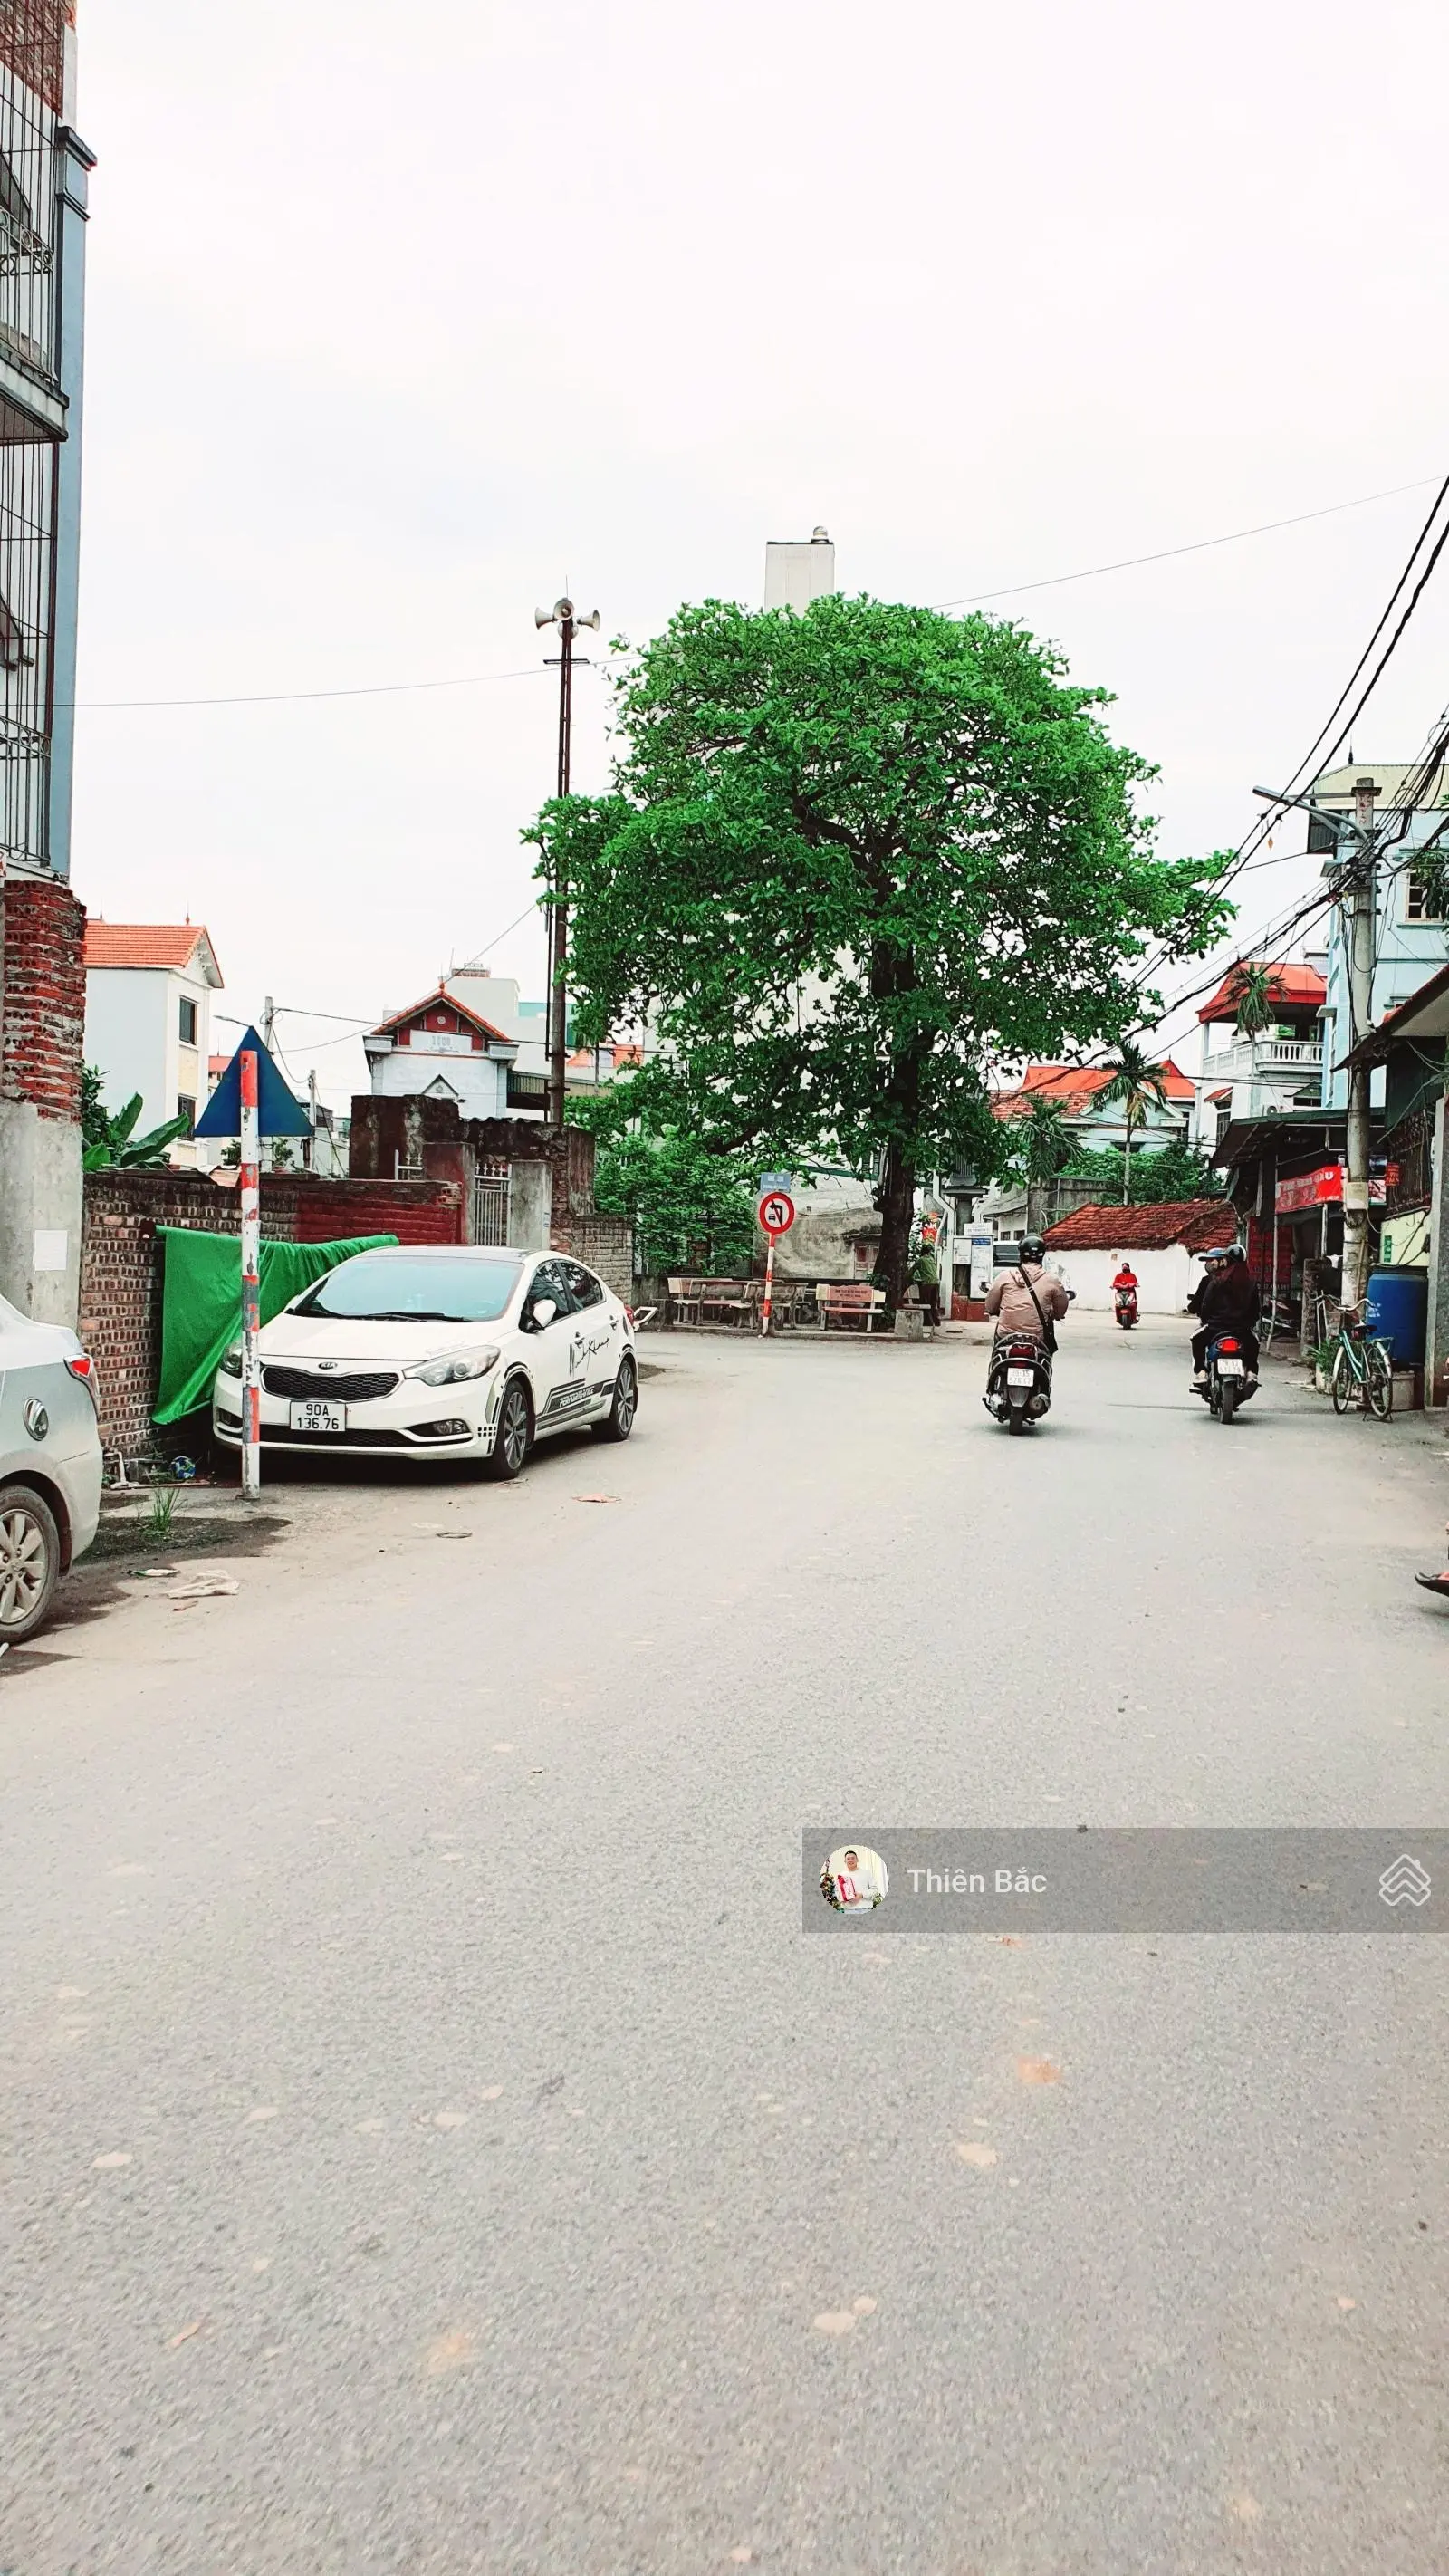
(278, 1114)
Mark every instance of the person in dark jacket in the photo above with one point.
(1226, 1300)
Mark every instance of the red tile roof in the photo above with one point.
(1295, 988)
(448, 1002)
(1198, 1223)
(150, 943)
(1074, 1087)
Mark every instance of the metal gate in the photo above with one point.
(490, 1205)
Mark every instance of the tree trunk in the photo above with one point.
(898, 1208)
(1127, 1162)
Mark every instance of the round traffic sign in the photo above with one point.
(776, 1212)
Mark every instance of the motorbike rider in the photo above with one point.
(1028, 1300)
(1125, 1283)
(1226, 1300)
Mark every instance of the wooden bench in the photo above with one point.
(848, 1306)
(694, 1301)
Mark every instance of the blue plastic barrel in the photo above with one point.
(1397, 1309)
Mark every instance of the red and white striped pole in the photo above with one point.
(769, 1286)
(251, 1284)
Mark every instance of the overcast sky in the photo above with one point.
(401, 318)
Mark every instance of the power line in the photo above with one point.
(497, 935)
(1258, 830)
(295, 697)
(1201, 545)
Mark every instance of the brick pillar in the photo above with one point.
(42, 1034)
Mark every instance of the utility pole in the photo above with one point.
(268, 1018)
(312, 1114)
(1356, 893)
(564, 616)
(1361, 938)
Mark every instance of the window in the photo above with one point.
(186, 1108)
(188, 1021)
(416, 1288)
(1423, 900)
(584, 1287)
(549, 1281)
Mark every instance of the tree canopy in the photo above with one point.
(855, 859)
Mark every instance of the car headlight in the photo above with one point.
(231, 1361)
(450, 1372)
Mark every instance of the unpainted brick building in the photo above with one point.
(521, 1182)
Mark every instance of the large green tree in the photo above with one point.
(690, 1209)
(854, 860)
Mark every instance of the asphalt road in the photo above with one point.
(430, 2144)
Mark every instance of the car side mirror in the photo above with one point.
(545, 1309)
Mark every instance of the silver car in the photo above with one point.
(50, 1466)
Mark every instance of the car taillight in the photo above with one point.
(629, 1317)
(84, 1367)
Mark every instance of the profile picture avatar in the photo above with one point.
(854, 1879)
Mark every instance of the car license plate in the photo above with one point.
(1021, 1377)
(1230, 1368)
(317, 1413)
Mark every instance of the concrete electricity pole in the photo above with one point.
(564, 616)
(1357, 895)
(1360, 912)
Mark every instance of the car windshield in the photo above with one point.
(378, 1288)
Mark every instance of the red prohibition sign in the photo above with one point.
(776, 1212)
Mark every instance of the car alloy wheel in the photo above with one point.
(618, 1422)
(514, 1436)
(29, 1561)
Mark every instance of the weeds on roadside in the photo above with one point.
(157, 1527)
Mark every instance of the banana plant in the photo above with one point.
(121, 1150)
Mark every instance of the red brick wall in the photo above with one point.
(43, 1006)
(329, 1211)
(120, 1302)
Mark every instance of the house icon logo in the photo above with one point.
(1405, 1883)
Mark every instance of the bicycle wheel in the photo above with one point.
(1343, 1378)
(1380, 1380)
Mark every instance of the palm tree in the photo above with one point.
(1045, 1142)
(1140, 1087)
(1255, 989)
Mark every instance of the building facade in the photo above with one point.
(44, 167)
(148, 1021)
(1253, 1073)
(1411, 937)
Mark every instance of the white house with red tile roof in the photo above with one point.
(1164, 1244)
(1274, 1068)
(148, 1018)
(1078, 1091)
(443, 1049)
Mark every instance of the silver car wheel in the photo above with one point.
(29, 1564)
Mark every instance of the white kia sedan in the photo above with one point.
(440, 1353)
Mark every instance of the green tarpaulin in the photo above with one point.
(201, 1302)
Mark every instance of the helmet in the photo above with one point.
(1031, 1248)
(1234, 1252)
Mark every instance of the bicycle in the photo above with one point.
(1362, 1365)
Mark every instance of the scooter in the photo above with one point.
(1227, 1384)
(1019, 1383)
(1126, 1308)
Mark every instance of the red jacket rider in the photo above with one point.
(1126, 1278)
